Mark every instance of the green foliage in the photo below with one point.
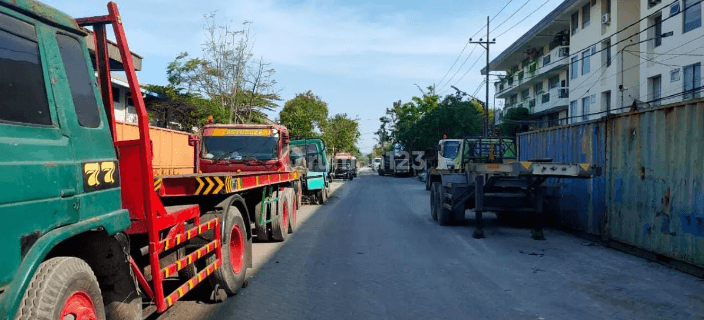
(341, 133)
(187, 110)
(304, 115)
(509, 128)
(419, 124)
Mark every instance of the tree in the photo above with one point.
(304, 115)
(341, 133)
(170, 108)
(226, 72)
(512, 125)
(419, 124)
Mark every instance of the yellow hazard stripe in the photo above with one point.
(526, 164)
(220, 185)
(211, 184)
(168, 301)
(200, 185)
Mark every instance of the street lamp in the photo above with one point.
(621, 87)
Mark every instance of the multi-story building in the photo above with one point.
(671, 58)
(567, 67)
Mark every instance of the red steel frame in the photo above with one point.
(138, 194)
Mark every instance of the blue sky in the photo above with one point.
(358, 56)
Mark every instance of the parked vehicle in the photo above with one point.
(309, 156)
(101, 222)
(345, 166)
(490, 179)
(376, 163)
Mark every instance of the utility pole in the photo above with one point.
(485, 45)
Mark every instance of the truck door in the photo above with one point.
(36, 162)
(96, 163)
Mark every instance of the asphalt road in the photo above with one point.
(373, 252)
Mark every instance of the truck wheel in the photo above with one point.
(427, 183)
(322, 196)
(189, 271)
(380, 173)
(444, 214)
(62, 288)
(231, 275)
(293, 210)
(434, 200)
(279, 227)
(261, 230)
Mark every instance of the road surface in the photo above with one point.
(373, 252)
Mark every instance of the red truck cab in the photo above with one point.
(243, 148)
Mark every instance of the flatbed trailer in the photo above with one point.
(492, 183)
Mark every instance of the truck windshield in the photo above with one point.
(310, 153)
(239, 147)
(450, 149)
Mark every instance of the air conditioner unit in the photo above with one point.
(606, 18)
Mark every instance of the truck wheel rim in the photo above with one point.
(79, 306)
(293, 215)
(285, 217)
(236, 249)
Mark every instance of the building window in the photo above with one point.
(585, 61)
(22, 85)
(573, 109)
(654, 87)
(79, 81)
(606, 52)
(575, 22)
(674, 75)
(692, 15)
(652, 3)
(585, 108)
(575, 67)
(692, 81)
(129, 100)
(525, 95)
(553, 82)
(538, 88)
(585, 16)
(657, 23)
(606, 101)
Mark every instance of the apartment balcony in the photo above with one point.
(555, 97)
(545, 66)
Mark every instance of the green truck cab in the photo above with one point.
(60, 202)
(310, 157)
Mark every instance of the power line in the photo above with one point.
(458, 69)
(454, 63)
(524, 19)
(509, 17)
(466, 72)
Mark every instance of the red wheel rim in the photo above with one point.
(293, 216)
(236, 249)
(80, 306)
(285, 217)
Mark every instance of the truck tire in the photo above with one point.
(293, 210)
(61, 287)
(189, 271)
(322, 196)
(231, 275)
(434, 200)
(444, 215)
(279, 227)
(260, 231)
(427, 182)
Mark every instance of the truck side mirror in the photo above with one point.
(193, 140)
(437, 148)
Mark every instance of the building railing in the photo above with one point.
(557, 57)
